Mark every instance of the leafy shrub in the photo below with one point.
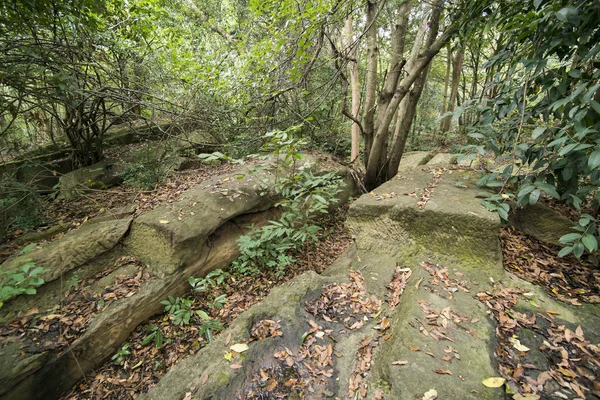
(548, 106)
(21, 280)
(183, 312)
(304, 197)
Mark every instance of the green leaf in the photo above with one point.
(203, 315)
(594, 160)
(502, 214)
(590, 242)
(28, 248)
(569, 237)
(567, 148)
(537, 132)
(534, 196)
(565, 251)
(578, 249)
(595, 105)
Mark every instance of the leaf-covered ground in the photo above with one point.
(572, 364)
(147, 362)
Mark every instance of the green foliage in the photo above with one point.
(583, 239)
(121, 354)
(207, 327)
(21, 280)
(21, 203)
(150, 166)
(304, 196)
(546, 116)
(155, 336)
(212, 279)
(182, 310)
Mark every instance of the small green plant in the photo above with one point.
(120, 355)
(180, 308)
(218, 302)
(304, 196)
(155, 335)
(21, 280)
(212, 279)
(207, 327)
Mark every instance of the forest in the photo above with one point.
(109, 103)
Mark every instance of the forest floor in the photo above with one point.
(146, 359)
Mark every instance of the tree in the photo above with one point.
(548, 108)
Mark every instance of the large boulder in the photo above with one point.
(541, 222)
(97, 176)
(171, 236)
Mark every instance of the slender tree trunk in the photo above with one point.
(355, 88)
(396, 64)
(414, 54)
(381, 135)
(408, 105)
(371, 81)
(446, 86)
(456, 70)
(403, 128)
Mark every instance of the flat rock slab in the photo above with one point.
(414, 159)
(386, 359)
(425, 207)
(541, 222)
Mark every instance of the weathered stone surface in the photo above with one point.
(414, 159)
(390, 230)
(385, 237)
(541, 222)
(74, 249)
(442, 159)
(210, 248)
(111, 328)
(452, 220)
(114, 214)
(97, 176)
(170, 237)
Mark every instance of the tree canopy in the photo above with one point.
(516, 79)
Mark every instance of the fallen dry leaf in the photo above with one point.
(399, 362)
(494, 382)
(443, 371)
(239, 347)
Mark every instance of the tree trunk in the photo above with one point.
(371, 81)
(381, 135)
(355, 88)
(396, 64)
(456, 70)
(446, 86)
(409, 111)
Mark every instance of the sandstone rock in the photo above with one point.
(97, 176)
(74, 249)
(541, 222)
